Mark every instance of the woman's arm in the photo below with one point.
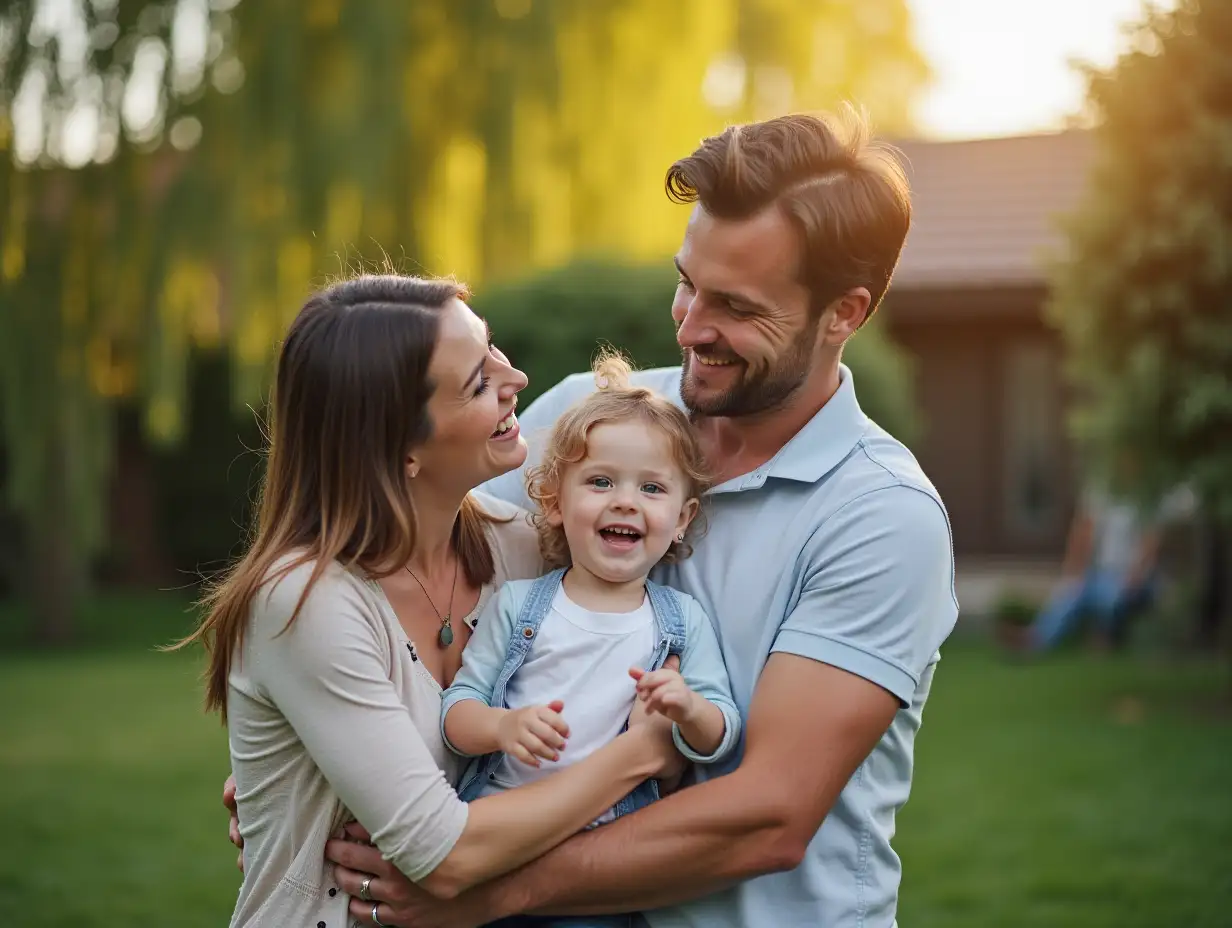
(507, 830)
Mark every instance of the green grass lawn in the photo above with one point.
(1078, 792)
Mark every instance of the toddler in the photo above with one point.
(555, 665)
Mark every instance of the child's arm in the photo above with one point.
(470, 724)
(704, 675)
(700, 722)
(528, 734)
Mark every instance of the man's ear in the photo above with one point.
(845, 315)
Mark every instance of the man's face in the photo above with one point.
(742, 316)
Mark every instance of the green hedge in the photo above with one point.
(551, 324)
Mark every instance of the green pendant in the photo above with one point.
(446, 636)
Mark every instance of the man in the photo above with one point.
(827, 566)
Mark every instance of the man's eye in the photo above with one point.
(684, 282)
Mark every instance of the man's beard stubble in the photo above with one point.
(761, 391)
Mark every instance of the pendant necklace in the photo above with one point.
(445, 638)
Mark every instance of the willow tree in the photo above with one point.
(181, 172)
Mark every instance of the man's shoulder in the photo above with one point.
(880, 462)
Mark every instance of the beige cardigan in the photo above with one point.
(336, 720)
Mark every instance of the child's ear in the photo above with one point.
(688, 512)
(551, 512)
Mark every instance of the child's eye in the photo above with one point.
(601, 483)
(652, 488)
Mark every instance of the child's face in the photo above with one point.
(624, 504)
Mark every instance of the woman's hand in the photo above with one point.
(401, 903)
(533, 732)
(233, 830)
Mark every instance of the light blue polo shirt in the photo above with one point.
(837, 549)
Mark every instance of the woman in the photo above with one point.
(332, 637)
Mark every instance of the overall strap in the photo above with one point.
(669, 615)
(538, 602)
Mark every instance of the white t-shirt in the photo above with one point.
(581, 658)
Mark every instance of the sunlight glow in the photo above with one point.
(1005, 68)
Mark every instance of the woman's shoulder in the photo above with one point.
(297, 581)
(515, 543)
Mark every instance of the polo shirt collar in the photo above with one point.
(816, 449)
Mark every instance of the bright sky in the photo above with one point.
(1003, 68)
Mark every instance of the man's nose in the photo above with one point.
(692, 326)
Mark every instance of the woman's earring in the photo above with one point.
(680, 537)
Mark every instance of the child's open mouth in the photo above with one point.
(621, 537)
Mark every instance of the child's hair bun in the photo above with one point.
(611, 370)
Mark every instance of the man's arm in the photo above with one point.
(759, 819)
(876, 602)
(799, 754)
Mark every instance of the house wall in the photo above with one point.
(989, 381)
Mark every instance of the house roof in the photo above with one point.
(985, 210)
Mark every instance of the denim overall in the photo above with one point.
(669, 639)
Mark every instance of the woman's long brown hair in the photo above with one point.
(349, 403)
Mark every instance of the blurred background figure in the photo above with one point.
(1109, 573)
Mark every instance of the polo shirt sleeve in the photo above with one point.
(876, 595)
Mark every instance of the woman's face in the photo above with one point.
(475, 434)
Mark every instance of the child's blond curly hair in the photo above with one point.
(616, 400)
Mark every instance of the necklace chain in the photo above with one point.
(445, 637)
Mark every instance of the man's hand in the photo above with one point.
(533, 732)
(233, 830)
(664, 691)
(401, 903)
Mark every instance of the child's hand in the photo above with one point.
(534, 732)
(664, 691)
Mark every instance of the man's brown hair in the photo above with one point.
(847, 194)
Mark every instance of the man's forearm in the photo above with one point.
(672, 851)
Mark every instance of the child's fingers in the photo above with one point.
(546, 734)
(556, 721)
(534, 744)
(666, 698)
(657, 678)
(525, 756)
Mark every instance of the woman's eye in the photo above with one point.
(483, 385)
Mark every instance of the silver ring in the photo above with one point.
(376, 921)
(363, 889)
